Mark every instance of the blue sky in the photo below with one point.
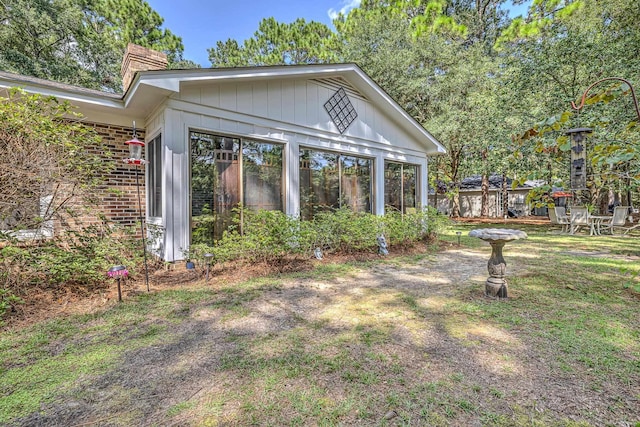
(201, 23)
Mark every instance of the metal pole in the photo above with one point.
(144, 242)
(584, 95)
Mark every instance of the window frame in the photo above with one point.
(242, 139)
(339, 168)
(155, 167)
(417, 177)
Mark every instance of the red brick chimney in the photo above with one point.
(138, 58)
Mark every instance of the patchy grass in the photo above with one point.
(400, 341)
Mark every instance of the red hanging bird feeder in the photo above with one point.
(135, 152)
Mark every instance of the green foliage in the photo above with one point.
(404, 229)
(44, 163)
(272, 235)
(7, 300)
(79, 42)
(631, 279)
(579, 43)
(540, 196)
(276, 43)
(79, 258)
(203, 225)
(542, 15)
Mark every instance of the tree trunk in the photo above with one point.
(455, 204)
(505, 196)
(484, 188)
(435, 189)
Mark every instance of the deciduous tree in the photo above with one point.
(79, 42)
(44, 162)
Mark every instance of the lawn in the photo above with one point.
(401, 340)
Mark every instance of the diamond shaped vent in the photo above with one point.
(341, 110)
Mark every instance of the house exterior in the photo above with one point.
(470, 196)
(293, 138)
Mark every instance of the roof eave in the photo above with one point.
(73, 94)
(168, 81)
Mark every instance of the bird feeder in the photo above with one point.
(135, 152)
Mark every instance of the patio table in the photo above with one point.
(595, 221)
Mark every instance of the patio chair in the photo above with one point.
(619, 220)
(579, 218)
(561, 211)
(557, 218)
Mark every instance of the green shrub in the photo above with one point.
(405, 229)
(79, 258)
(7, 301)
(346, 231)
(436, 222)
(272, 235)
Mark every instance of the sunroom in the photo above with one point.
(299, 139)
(267, 138)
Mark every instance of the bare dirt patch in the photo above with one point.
(381, 336)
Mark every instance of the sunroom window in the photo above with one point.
(225, 171)
(330, 181)
(154, 170)
(400, 186)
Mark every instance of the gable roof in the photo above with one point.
(149, 88)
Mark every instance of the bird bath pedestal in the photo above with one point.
(496, 285)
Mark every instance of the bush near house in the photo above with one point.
(81, 258)
(49, 176)
(46, 170)
(78, 259)
(272, 236)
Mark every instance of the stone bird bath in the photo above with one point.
(496, 285)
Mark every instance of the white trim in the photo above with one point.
(285, 127)
(72, 94)
(171, 81)
(157, 133)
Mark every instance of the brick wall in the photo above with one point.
(117, 199)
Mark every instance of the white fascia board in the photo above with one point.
(68, 95)
(243, 73)
(166, 83)
(170, 80)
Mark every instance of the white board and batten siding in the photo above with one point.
(287, 111)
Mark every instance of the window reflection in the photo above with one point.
(262, 175)
(400, 186)
(216, 188)
(330, 180)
